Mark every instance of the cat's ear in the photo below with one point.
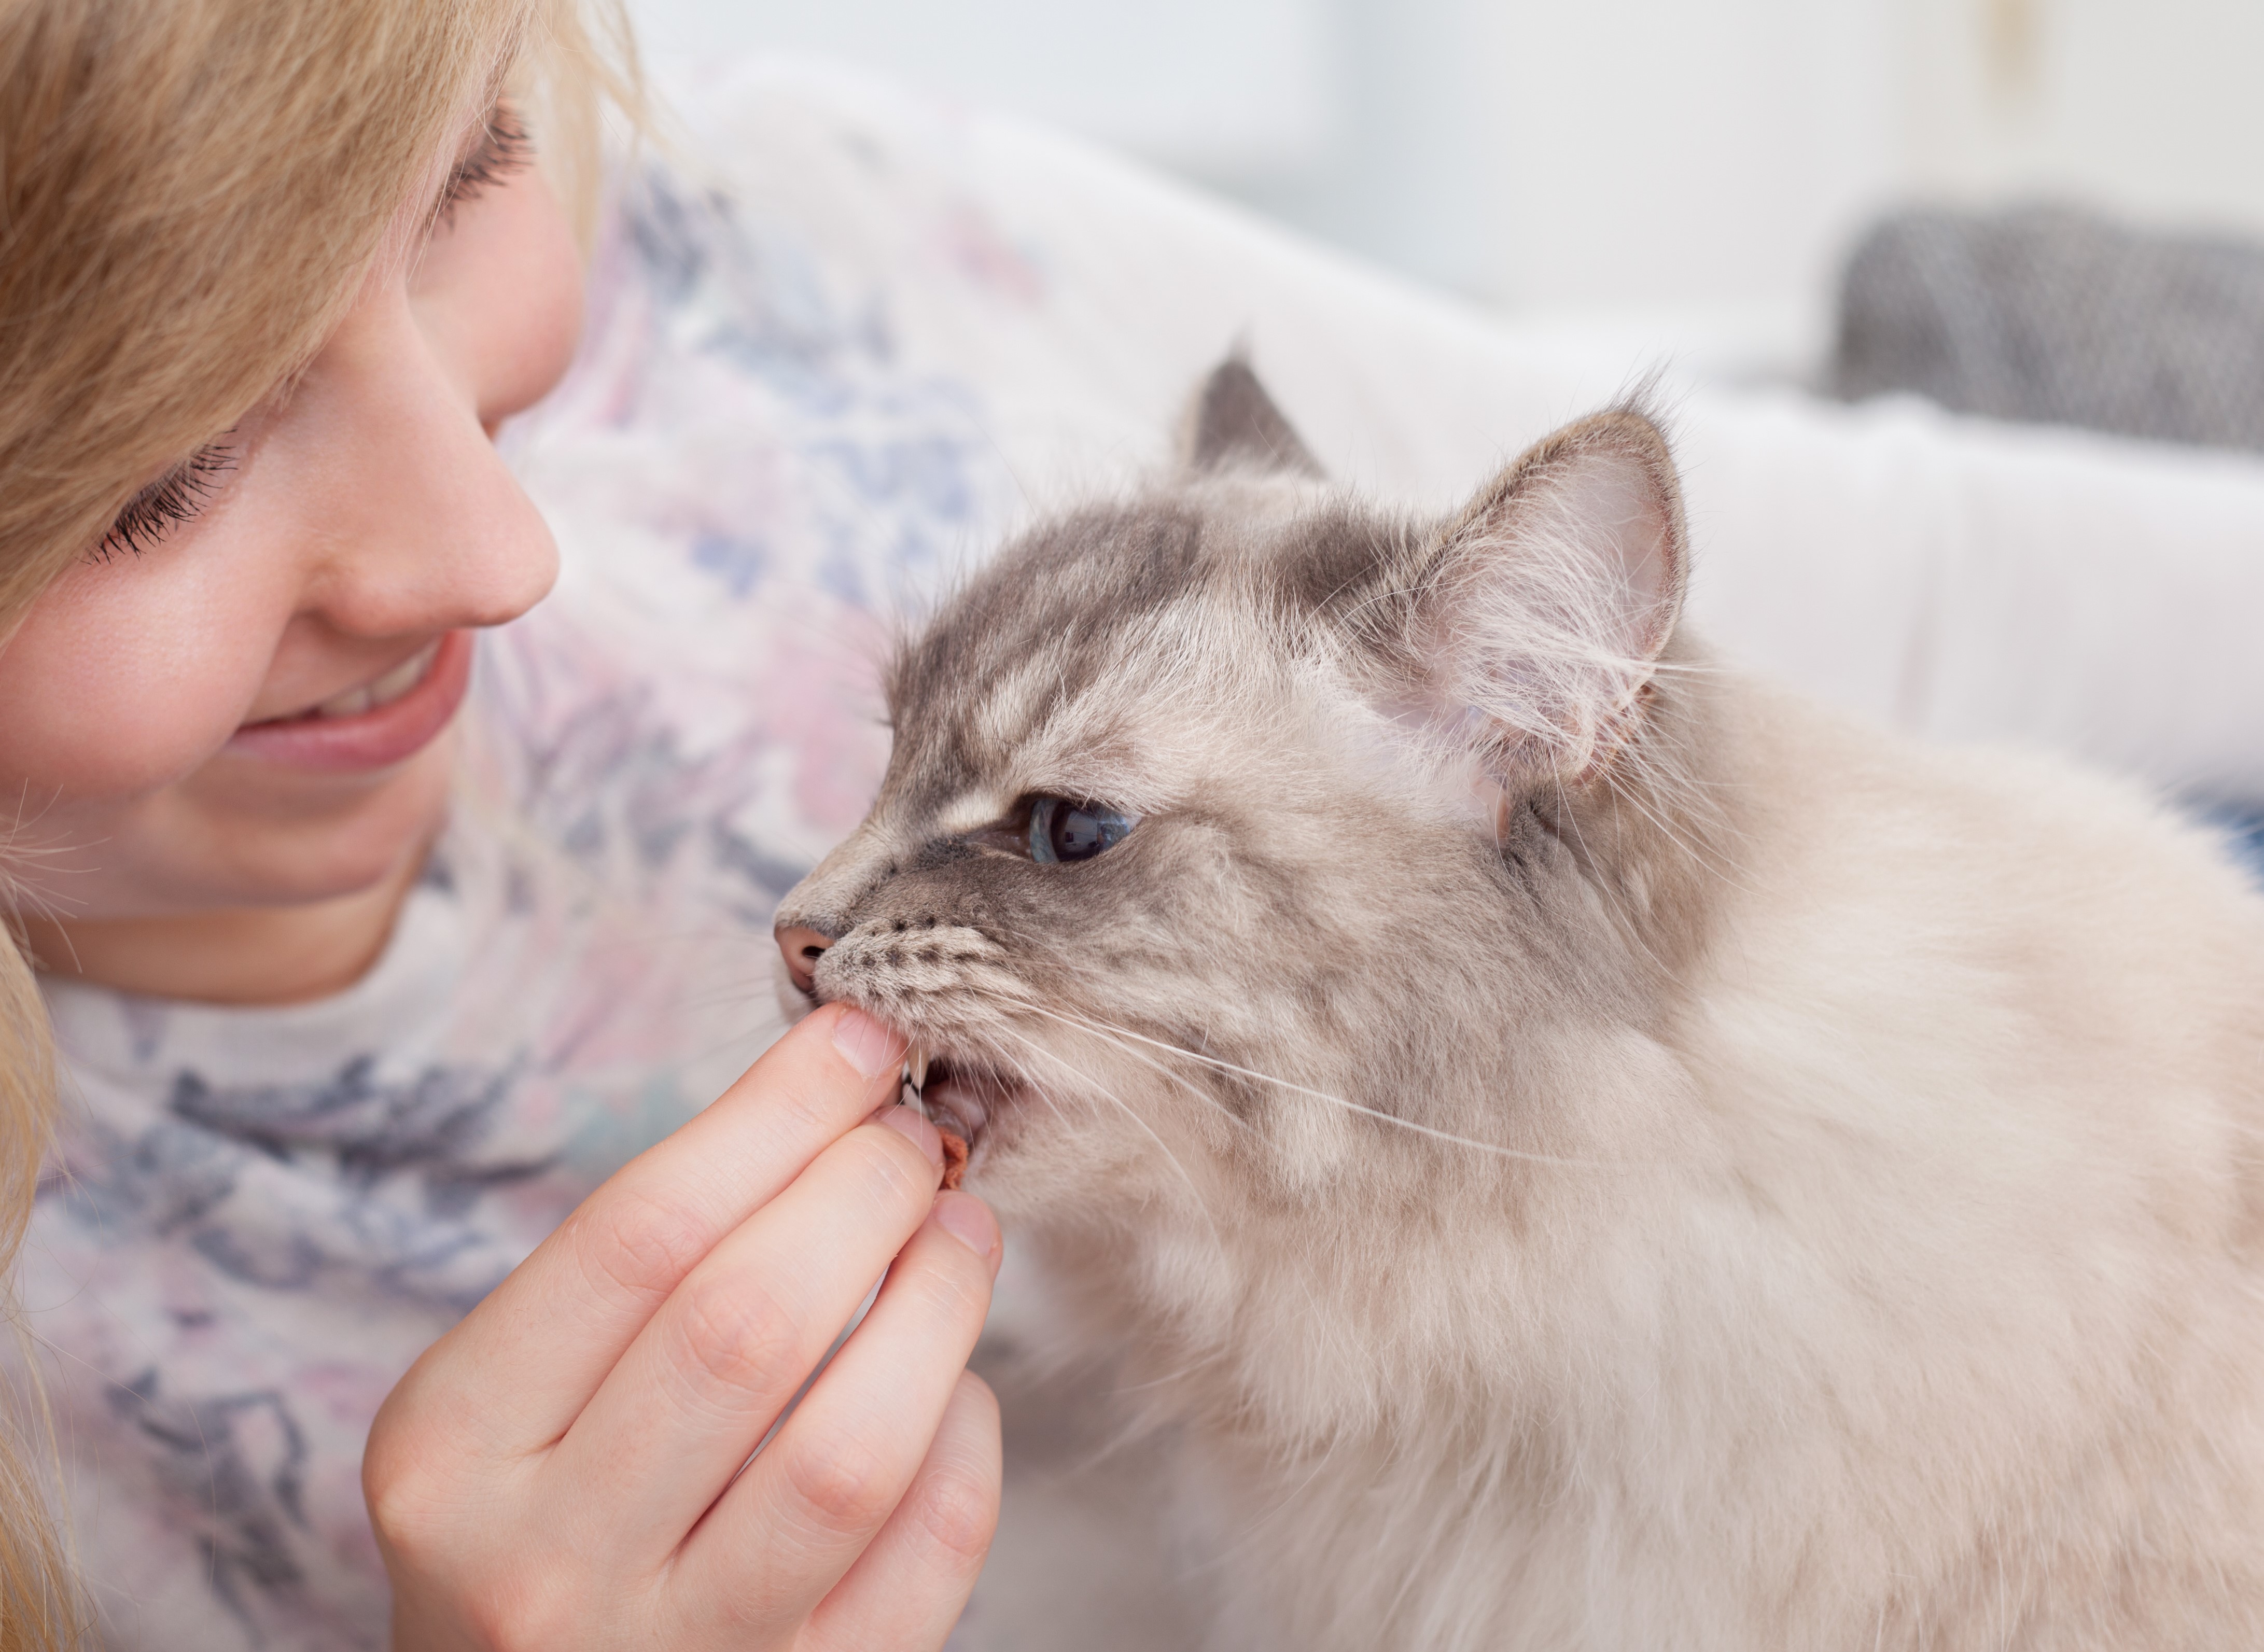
(1233, 425)
(1536, 625)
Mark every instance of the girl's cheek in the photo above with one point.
(112, 698)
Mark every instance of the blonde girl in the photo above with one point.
(271, 275)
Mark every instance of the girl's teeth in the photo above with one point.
(385, 690)
(404, 676)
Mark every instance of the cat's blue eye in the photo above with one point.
(1064, 830)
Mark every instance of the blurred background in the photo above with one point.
(1690, 174)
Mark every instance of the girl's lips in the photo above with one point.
(372, 739)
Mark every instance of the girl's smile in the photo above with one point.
(374, 724)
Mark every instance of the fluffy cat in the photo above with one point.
(1585, 1149)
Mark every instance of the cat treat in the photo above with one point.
(954, 1159)
(948, 1128)
(1569, 1147)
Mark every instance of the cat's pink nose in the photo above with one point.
(801, 947)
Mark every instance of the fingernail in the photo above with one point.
(969, 1220)
(866, 1045)
(907, 1122)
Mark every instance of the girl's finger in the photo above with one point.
(908, 1589)
(803, 1512)
(513, 1375)
(707, 1376)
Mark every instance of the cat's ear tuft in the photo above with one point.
(1234, 425)
(1538, 623)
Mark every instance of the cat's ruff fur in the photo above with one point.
(1821, 1197)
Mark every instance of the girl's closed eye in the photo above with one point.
(506, 147)
(167, 503)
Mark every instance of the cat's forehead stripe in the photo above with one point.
(1110, 613)
(970, 811)
(1009, 703)
(1083, 579)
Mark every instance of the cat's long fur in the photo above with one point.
(1587, 1150)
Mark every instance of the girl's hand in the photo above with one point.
(557, 1472)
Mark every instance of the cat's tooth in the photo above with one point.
(914, 1080)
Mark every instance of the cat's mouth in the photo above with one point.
(959, 1098)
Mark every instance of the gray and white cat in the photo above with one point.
(1585, 1149)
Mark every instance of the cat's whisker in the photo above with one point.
(1190, 1367)
(1447, 1136)
(1201, 1204)
(1115, 1036)
(1037, 1087)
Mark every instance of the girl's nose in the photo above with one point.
(422, 526)
(801, 947)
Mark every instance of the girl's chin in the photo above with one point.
(304, 837)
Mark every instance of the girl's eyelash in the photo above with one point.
(506, 147)
(167, 503)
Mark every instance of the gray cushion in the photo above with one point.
(2052, 315)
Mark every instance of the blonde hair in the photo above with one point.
(189, 193)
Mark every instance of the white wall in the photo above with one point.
(1661, 153)
(1229, 88)
(2151, 107)
(1696, 162)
